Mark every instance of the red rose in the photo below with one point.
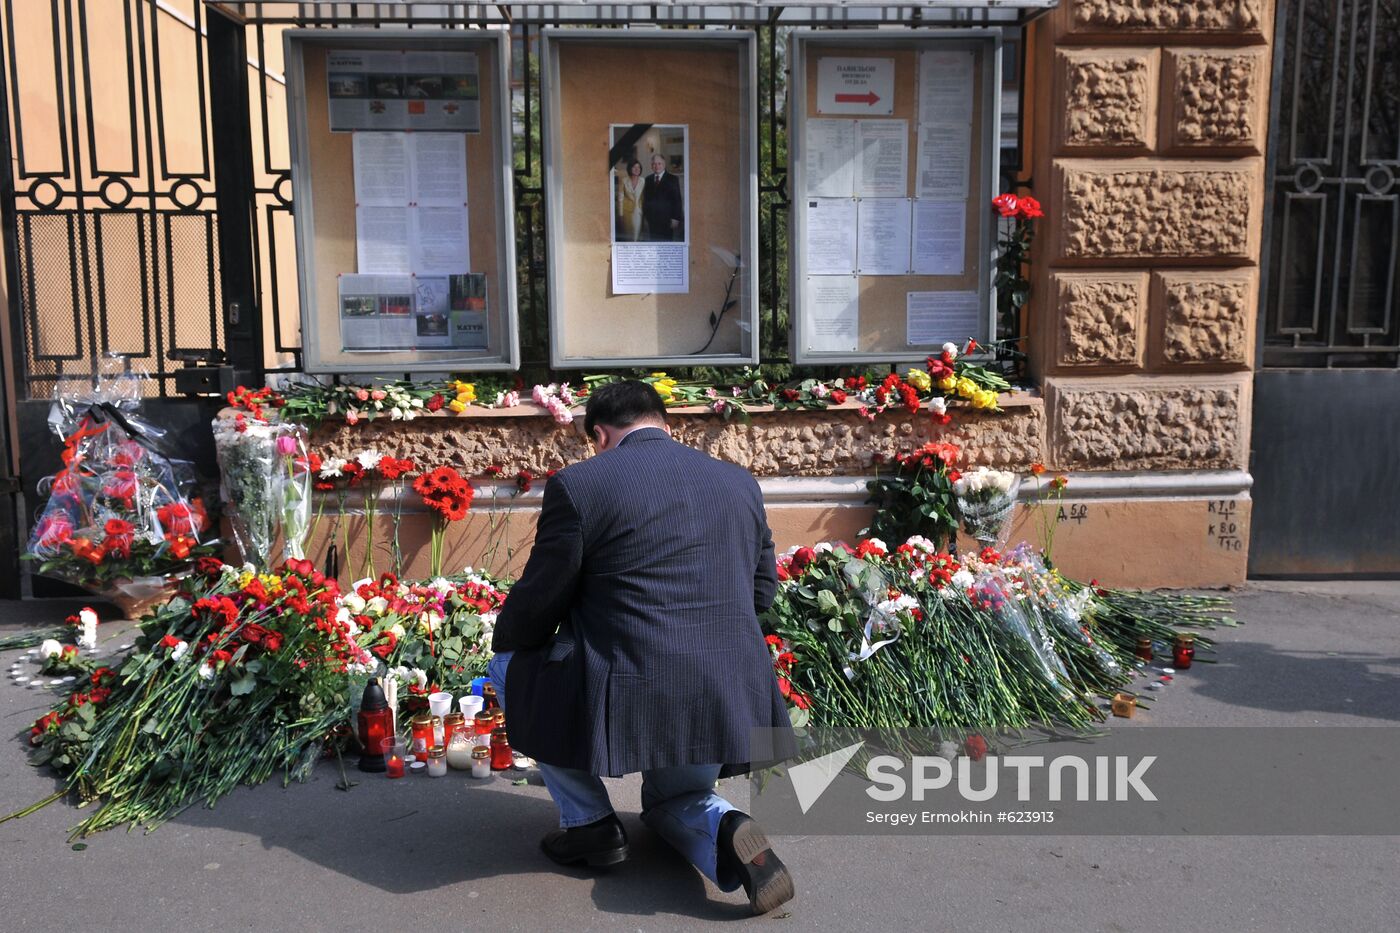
(435, 402)
(838, 396)
(209, 566)
(1028, 208)
(801, 558)
(1006, 204)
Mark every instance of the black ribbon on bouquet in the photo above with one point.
(104, 412)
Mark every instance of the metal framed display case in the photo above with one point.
(944, 291)
(328, 215)
(628, 287)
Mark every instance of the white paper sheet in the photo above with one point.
(833, 313)
(383, 171)
(647, 268)
(935, 318)
(945, 151)
(384, 240)
(439, 169)
(883, 231)
(855, 85)
(939, 239)
(883, 159)
(440, 245)
(945, 87)
(831, 236)
(831, 158)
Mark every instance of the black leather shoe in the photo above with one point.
(596, 844)
(745, 849)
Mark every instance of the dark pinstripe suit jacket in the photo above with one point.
(635, 622)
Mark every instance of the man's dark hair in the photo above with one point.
(622, 404)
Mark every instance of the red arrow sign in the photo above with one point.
(868, 98)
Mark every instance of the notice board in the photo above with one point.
(400, 145)
(652, 194)
(892, 147)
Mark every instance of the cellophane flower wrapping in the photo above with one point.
(294, 489)
(121, 514)
(265, 492)
(986, 499)
(1060, 608)
(1006, 600)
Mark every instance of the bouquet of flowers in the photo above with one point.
(121, 517)
(266, 485)
(985, 499)
(241, 675)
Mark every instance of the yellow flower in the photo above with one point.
(966, 387)
(947, 383)
(457, 405)
(658, 375)
(664, 390)
(466, 392)
(919, 379)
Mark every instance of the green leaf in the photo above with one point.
(243, 685)
(799, 717)
(827, 602)
(834, 624)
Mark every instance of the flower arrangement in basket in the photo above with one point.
(121, 519)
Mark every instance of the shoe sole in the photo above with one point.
(750, 842)
(594, 859)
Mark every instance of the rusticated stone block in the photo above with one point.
(1204, 317)
(1157, 210)
(1101, 317)
(1215, 99)
(1107, 99)
(1149, 424)
(835, 442)
(1243, 19)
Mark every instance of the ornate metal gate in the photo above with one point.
(1327, 392)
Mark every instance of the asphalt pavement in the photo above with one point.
(455, 854)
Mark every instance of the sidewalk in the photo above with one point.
(451, 854)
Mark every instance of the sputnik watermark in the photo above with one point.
(1132, 781)
(1116, 779)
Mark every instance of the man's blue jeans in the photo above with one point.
(679, 804)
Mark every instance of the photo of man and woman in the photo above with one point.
(647, 171)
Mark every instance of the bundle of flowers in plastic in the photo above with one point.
(985, 499)
(265, 485)
(1057, 605)
(1006, 601)
(121, 517)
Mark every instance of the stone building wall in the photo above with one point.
(1149, 128)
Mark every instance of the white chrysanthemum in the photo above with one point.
(963, 579)
(331, 467)
(87, 619)
(369, 459)
(206, 671)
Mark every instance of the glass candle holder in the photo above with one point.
(459, 752)
(395, 750)
(482, 725)
(437, 761)
(501, 757)
(1124, 705)
(452, 724)
(1183, 652)
(422, 726)
(481, 762)
(1144, 650)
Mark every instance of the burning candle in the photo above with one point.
(1184, 651)
(437, 761)
(481, 762)
(394, 751)
(452, 724)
